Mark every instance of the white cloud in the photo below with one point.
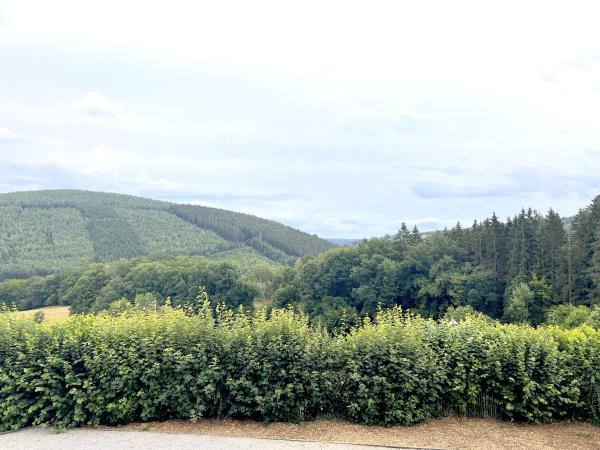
(95, 104)
(422, 220)
(100, 160)
(341, 99)
(8, 135)
(146, 182)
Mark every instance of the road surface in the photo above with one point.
(90, 439)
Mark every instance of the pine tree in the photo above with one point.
(516, 262)
(555, 259)
(583, 246)
(593, 272)
(415, 236)
(402, 240)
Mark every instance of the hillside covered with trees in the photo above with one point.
(528, 268)
(44, 232)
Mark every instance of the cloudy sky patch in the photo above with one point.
(341, 118)
(8, 135)
(95, 104)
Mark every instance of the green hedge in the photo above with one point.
(397, 369)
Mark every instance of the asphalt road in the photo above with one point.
(89, 439)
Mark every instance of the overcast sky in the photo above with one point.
(339, 118)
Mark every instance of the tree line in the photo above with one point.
(528, 268)
(95, 287)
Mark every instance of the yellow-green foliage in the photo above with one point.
(391, 374)
(145, 365)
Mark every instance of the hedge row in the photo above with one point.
(398, 369)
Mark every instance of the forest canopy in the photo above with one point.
(45, 232)
(518, 270)
(530, 268)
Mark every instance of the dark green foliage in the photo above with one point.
(333, 313)
(95, 287)
(33, 292)
(476, 266)
(480, 266)
(44, 232)
(268, 237)
(111, 236)
(139, 365)
(364, 277)
(515, 373)
(529, 301)
(40, 241)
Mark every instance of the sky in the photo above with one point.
(340, 118)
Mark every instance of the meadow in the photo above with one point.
(51, 313)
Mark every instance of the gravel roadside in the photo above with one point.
(446, 432)
(214, 434)
(90, 439)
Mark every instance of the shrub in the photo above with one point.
(529, 378)
(275, 368)
(463, 350)
(582, 347)
(594, 318)
(568, 316)
(141, 365)
(391, 374)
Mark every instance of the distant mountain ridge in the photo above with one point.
(344, 242)
(43, 232)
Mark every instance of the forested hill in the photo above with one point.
(532, 267)
(42, 232)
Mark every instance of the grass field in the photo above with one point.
(51, 313)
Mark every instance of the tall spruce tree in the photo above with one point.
(554, 246)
